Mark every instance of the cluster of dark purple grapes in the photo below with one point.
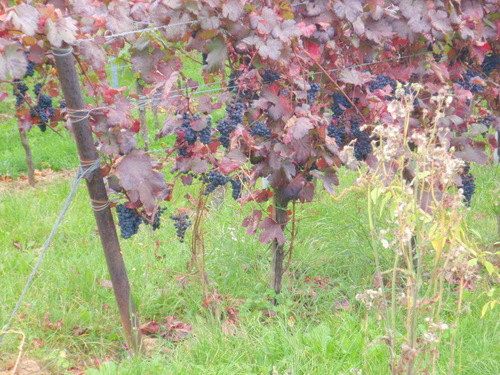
(156, 221)
(30, 69)
(270, 76)
(43, 109)
(261, 129)
(381, 82)
(313, 167)
(213, 179)
(205, 134)
(22, 88)
(487, 120)
(337, 131)
(340, 101)
(190, 135)
(363, 145)
(181, 224)
(468, 185)
(312, 93)
(234, 116)
(490, 63)
(20, 85)
(237, 185)
(128, 220)
(468, 85)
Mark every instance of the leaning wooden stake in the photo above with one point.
(68, 77)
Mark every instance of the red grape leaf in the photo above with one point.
(63, 30)
(306, 30)
(199, 166)
(93, 53)
(350, 9)
(118, 19)
(313, 49)
(252, 222)
(142, 182)
(139, 13)
(298, 127)
(440, 20)
(271, 49)
(286, 30)
(272, 232)
(475, 154)
(24, 17)
(355, 77)
(169, 126)
(13, 62)
(233, 10)
(217, 55)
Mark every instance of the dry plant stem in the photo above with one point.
(366, 343)
(455, 328)
(278, 254)
(389, 330)
(197, 247)
(29, 155)
(142, 118)
(21, 345)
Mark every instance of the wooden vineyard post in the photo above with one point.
(88, 154)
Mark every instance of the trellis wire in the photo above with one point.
(82, 173)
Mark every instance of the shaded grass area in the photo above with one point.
(314, 330)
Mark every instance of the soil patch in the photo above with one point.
(42, 178)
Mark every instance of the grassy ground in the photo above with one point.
(311, 332)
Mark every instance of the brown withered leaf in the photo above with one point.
(105, 283)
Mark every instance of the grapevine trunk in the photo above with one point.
(280, 212)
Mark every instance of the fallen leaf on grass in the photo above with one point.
(17, 244)
(343, 304)
(47, 323)
(228, 328)
(38, 343)
(78, 331)
(172, 329)
(150, 328)
(105, 283)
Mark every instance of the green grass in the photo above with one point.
(308, 335)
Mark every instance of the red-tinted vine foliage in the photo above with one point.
(300, 81)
